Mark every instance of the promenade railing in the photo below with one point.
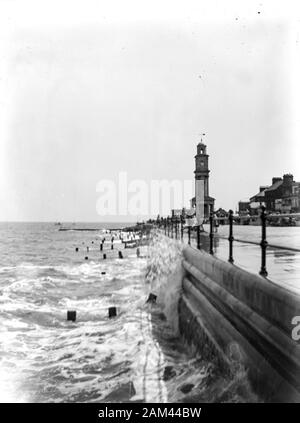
(175, 227)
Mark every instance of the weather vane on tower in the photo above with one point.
(202, 135)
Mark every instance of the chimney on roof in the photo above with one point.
(274, 180)
(288, 178)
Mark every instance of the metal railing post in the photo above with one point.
(211, 233)
(198, 237)
(230, 238)
(189, 234)
(181, 229)
(264, 243)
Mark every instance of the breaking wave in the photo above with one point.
(189, 376)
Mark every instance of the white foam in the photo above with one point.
(164, 272)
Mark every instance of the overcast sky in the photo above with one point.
(92, 88)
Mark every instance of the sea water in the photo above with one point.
(137, 356)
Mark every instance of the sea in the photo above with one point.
(136, 356)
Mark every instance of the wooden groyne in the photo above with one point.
(79, 229)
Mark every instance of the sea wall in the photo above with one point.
(244, 319)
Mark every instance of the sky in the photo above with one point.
(89, 89)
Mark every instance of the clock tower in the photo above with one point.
(202, 171)
(202, 174)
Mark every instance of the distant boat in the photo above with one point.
(57, 224)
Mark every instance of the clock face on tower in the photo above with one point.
(201, 163)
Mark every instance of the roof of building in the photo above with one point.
(206, 198)
(274, 186)
(261, 194)
(209, 198)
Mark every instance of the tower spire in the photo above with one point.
(202, 135)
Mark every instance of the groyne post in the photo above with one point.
(71, 315)
(211, 233)
(230, 237)
(112, 312)
(263, 243)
